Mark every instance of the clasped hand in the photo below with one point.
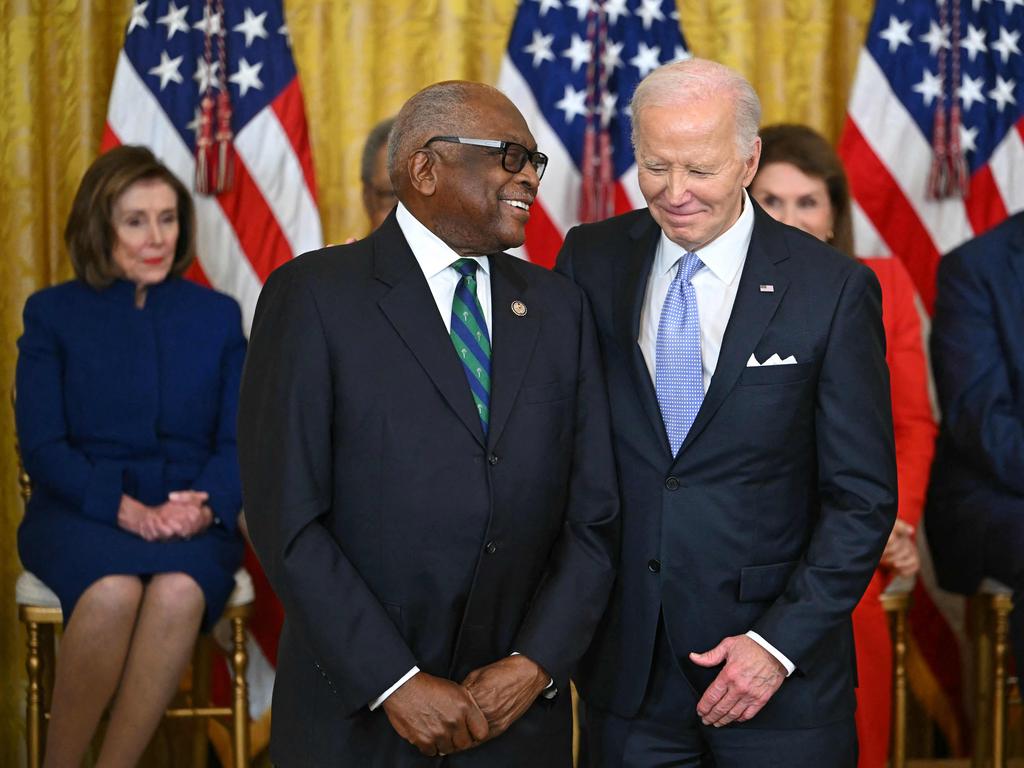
(183, 515)
(438, 716)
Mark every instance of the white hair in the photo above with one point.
(698, 80)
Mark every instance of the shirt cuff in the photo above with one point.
(401, 681)
(549, 691)
(789, 665)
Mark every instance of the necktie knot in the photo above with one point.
(465, 267)
(689, 263)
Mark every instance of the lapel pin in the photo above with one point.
(765, 288)
(518, 308)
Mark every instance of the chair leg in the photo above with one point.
(983, 646)
(899, 704)
(48, 657)
(200, 698)
(1001, 605)
(240, 703)
(33, 703)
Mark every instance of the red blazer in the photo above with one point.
(912, 415)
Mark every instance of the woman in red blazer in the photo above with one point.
(801, 182)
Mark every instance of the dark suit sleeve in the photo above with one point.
(285, 450)
(979, 413)
(856, 478)
(581, 567)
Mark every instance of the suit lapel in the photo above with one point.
(750, 316)
(513, 338)
(410, 308)
(632, 273)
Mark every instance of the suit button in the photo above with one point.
(493, 459)
(653, 566)
(672, 483)
(490, 548)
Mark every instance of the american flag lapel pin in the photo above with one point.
(767, 288)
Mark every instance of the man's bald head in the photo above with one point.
(449, 108)
(462, 191)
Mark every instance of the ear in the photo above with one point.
(751, 163)
(422, 166)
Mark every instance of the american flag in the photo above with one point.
(922, 62)
(934, 147)
(571, 67)
(173, 55)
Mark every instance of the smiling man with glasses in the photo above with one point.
(427, 466)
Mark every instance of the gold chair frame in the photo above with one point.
(896, 603)
(990, 607)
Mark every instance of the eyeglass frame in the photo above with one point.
(534, 158)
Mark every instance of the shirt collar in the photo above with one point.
(723, 256)
(431, 252)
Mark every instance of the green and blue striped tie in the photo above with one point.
(469, 335)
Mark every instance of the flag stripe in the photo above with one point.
(543, 236)
(883, 201)
(289, 108)
(560, 192)
(261, 237)
(276, 174)
(891, 132)
(984, 202)
(1008, 168)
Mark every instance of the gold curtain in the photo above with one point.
(358, 61)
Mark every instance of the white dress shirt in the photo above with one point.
(435, 259)
(715, 285)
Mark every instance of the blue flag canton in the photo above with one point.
(905, 38)
(550, 48)
(166, 43)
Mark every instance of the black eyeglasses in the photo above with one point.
(513, 156)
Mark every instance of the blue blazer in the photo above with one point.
(114, 399)
(977, 346)
(774, 514)
(396, 533)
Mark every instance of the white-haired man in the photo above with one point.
(750, 405)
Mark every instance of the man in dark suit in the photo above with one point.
(975, 515)
(750, 409)
(426, 464)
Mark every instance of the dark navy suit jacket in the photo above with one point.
(395, 533)
(774, 514)
(977, 348)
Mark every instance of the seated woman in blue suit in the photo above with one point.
(127, 388)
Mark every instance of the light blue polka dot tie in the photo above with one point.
(679, 375)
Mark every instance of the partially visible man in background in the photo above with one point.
(378, 195)
(975, 515)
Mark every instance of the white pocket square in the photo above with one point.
(773, 360)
